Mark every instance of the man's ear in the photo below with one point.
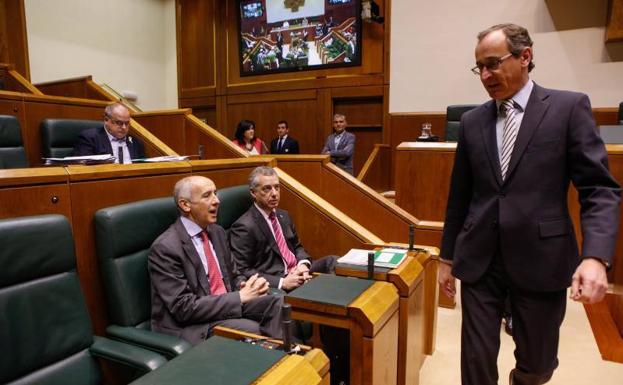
(184, 205)
(526, 56)
(252, 193)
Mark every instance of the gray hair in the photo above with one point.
(260, 171)
(517, 38)
(336, 116)
(108, 111)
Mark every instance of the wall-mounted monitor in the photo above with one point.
(294, 35)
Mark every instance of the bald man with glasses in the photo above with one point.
(111, 138)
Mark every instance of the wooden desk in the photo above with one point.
(371, 316)
(416, 330)
(224, 361)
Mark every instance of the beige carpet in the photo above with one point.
(580, 361)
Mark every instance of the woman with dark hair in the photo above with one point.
(245, 138)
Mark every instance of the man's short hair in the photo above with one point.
(111, 108)
(336, 116)
(283, 122)
(182, 190)
(517, 38)
(260, 171)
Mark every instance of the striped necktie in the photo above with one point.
(217, 286)
(509, 134)
(288, 256)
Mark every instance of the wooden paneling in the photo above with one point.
(298, 108)
(168, 128)
(13, 40)
(35, 200)
(196, 23)
(614, 28)
(376, 172)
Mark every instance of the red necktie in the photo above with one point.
(217, 286)
(287, 255)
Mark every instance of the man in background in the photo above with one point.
(340, 144)
(284, 143)
(111, 138)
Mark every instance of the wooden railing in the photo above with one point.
(14, 81)
(82, 87)
(376, 172)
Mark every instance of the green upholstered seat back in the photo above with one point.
(59, 135)
(45, 331)
(12, 153)
(123, 236)
(235, 201)
(453, 120)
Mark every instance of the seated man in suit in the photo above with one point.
(111, 138)
(284, 143)
(264, 241)
(340, 145)
(194, 286)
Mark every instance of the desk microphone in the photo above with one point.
(286, 322)
(371, 265)
(411, 235)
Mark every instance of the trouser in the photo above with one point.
(537, 317)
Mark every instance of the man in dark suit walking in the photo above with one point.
(194, 284)
(111, 138)
(284, 143)
(340, 144)
(507, 230)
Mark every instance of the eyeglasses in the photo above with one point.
(116, 122)
(491, 64)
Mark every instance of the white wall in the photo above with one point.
(432, 50)
(127, 44)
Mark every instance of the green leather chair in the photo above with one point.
(453, 120)
(12, 153)
(123, 236)
(59, 135)
(45, 330)
(235, 201)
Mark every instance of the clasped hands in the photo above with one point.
(252, 288)
(296, 277)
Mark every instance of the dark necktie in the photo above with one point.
(120, 154)
(217, 286)
(509, 134)
(287, 255)
(280, 148)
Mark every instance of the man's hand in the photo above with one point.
(589, 282)
(303, 269)
(254, 287)
(293, 280)
(447, 280)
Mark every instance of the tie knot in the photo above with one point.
(204, 235)
(271, 216)
(506, 106)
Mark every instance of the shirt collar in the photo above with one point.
(521, 97)
(191, 227)
(113, 139)
(262, 211)
(284, 137)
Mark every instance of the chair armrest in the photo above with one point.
(128, 355)
(167, 345)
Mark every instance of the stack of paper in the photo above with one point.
(88, 159)
(387, 257)
(166, 158)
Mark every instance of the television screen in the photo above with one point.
(252, 10)
(293, 35)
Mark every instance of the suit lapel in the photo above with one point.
(535, 110)
(487, 129)
(103, 136)
(268, 234)
(191, 254)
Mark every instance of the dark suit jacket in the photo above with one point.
(181, 303)
(290, 146)
(342, 155)
(255, 250)
(94, 141)
(525, 217)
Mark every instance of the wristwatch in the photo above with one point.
(607, 264)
